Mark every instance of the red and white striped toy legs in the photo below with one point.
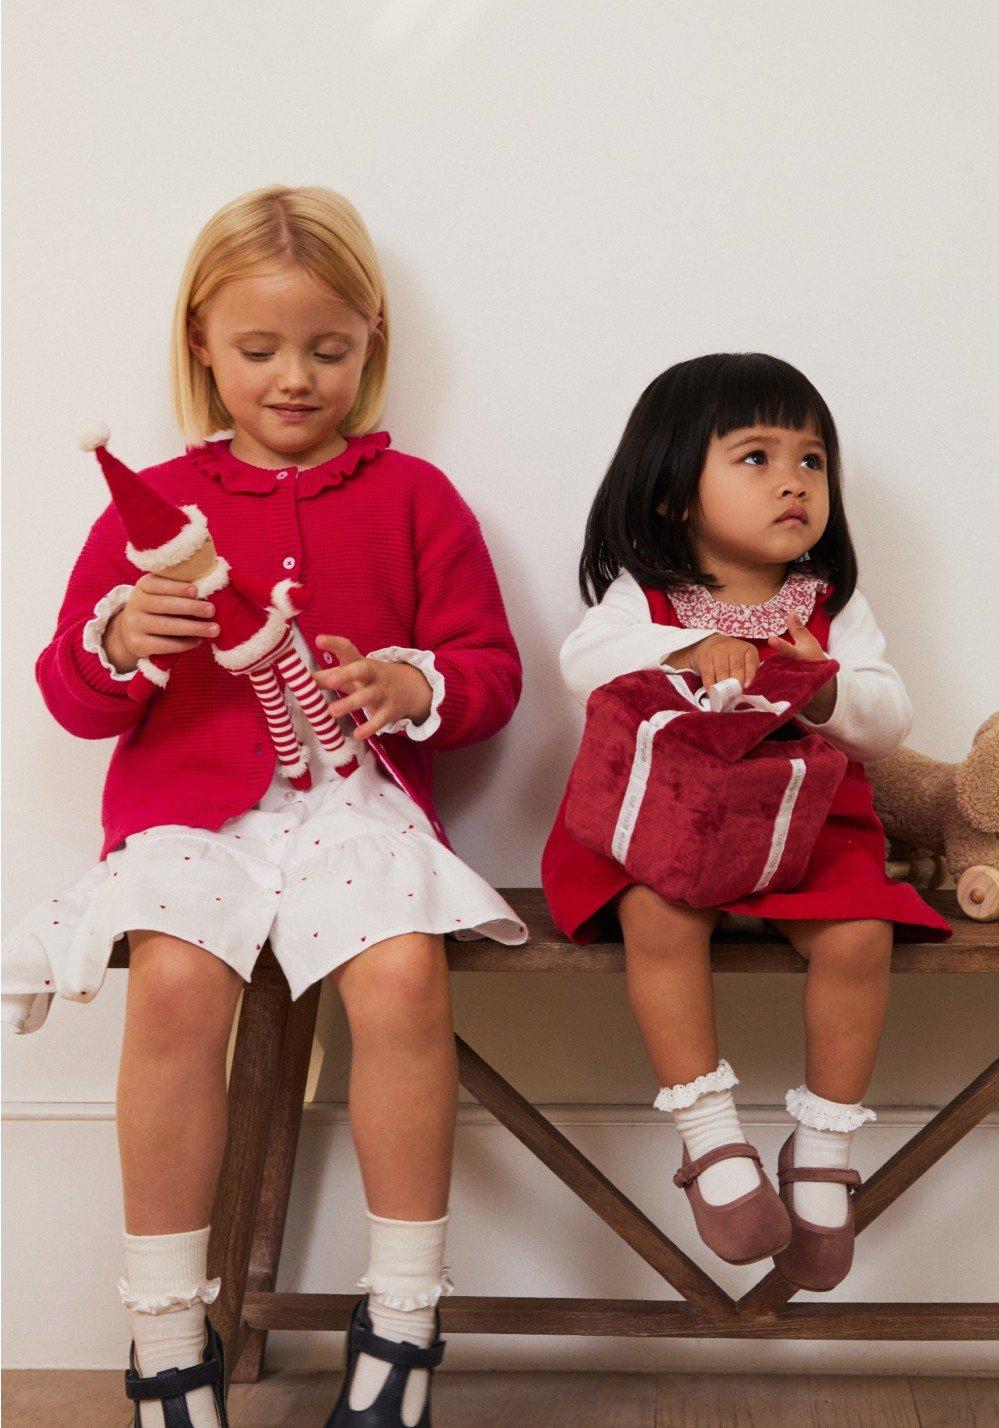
(336, 751)
(292, 756)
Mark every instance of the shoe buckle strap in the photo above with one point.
(389, 1351)
(688, 1173)
(172, 1383)
(819, 1174)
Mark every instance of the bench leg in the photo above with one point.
(279, 1165)
(923, 1150)
(252, 1084)
(552, 1148)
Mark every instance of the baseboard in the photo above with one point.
(472, 1114)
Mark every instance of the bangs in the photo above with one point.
(638, 521)
(753, 389)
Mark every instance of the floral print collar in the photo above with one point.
(698, 609)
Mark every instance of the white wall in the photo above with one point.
(567, 198)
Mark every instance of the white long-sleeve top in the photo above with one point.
(872, 714)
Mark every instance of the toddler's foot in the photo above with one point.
(817, 1187)
(736, 1209)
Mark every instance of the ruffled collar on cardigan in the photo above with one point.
(697, 608)
(215, 460)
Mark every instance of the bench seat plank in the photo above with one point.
(973, 948)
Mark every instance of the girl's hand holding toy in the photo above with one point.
(157, 618)
(387, 691)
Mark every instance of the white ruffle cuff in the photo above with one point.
(93, 630)
(392, 1299)
(205, 1292)
(423, 660)
(815, 1111)
(678, 1098)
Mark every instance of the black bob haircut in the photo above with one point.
(660, 459)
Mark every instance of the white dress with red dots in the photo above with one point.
(323, 874)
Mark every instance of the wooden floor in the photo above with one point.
(86, 1399)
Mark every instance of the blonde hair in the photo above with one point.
(314, 227)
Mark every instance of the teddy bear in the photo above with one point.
(950, 811)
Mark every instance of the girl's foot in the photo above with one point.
(394, 1340)
(741, 1231)
(823, 1137)
(387, 1408)
(817, 1186)
(175, 1353)
(170, 1391)
(819, 1256)
(737, 1211)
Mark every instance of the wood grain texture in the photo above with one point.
(253, 1083)
(945, 1402)
(649, 1318)
(94, 1399)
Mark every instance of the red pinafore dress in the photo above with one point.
(845, 877)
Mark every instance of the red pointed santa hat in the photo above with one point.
(160, 534)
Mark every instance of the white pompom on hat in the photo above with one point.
(91, 437)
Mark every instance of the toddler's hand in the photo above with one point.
(161, 616)
(389, 691)
(721, 657)
(804, 646)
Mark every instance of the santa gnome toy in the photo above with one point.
(254, 636)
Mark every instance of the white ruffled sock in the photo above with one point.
(823, 1137)
(705, 1115)
(167, 1288)
(405, 1278)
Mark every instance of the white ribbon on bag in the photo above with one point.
(725, 697)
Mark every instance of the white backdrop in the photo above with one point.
(567, 198)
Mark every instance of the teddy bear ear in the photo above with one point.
(977, 782)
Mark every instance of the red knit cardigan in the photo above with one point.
(394, 556)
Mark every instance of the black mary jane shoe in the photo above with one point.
(386, 1411)
(173, 1385)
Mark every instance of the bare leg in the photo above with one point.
(845, 1001)
(403, 1092)
(668, 973)
(403, 1075)
(171, 1082)
(171, 1137)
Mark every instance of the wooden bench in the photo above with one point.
(266, 1091)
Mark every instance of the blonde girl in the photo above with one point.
(281, 341)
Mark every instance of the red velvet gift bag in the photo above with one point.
(705, 796)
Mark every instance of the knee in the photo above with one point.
(183, 996)
(857, 949)
(651, 924)
(403, 981)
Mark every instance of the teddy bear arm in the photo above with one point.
(912, 794)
